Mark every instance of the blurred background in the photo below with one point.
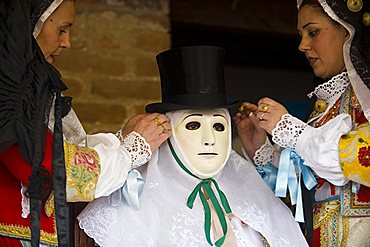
(111, 70)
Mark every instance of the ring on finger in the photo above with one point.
(265, 107)
(261, 117)
(157, 121)
(164, 130)
(243, 106)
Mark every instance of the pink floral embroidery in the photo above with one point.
(86, 159)
(85, 169)
(364, 156)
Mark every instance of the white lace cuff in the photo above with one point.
(25, 202)
(265, 154)
(138, 149)
(287, 131)
(119, 135)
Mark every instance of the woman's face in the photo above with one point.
(55, 33)
(322, 41)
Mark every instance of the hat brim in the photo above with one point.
(167, 107)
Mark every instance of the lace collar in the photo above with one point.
(332, 89)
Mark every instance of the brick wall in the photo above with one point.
(111, 70)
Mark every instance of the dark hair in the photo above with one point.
(315, 4)
(312, 3)
(355, 19)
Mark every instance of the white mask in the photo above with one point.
(204, 139)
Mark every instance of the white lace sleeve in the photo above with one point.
(267, 153)
(287, 131)
(117, 159)
(119, 135)
(138, 149)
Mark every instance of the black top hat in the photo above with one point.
(191, 77)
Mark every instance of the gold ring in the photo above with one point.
(243, 106)
(265, 108)
(164, 130)
(261, 117)
(157, 121)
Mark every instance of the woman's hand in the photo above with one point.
(269, 113)
(155, 128)
(250, 133)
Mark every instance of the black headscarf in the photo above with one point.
(360, 45)
(28, 84)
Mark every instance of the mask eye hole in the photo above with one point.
(192, 125)
(219, 127)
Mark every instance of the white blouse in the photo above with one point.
(116, 156)
(318, 147)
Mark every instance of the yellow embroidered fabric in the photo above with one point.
(354, 154)
(83, 169)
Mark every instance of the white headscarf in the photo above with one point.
(40, 22)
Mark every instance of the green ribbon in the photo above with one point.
(206, 184)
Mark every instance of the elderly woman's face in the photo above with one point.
(204, 139)
(55, 33)
(322, 42)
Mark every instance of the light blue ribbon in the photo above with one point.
(268, 172)
(355, 187)
(131, 190)
(287, 179)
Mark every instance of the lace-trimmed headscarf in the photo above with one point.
(28, 85)
(39, 17)
(354, 16)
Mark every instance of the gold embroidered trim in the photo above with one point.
(334, 228)
(25, 232)
(49, 205)
(345, 230)
(323, 212)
